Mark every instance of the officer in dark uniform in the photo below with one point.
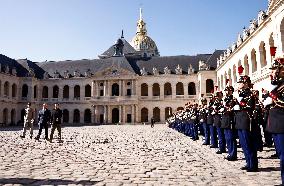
(217, 122)
(56, 116)
(202, 120)
(227, 123)
(245, 122)
(276, 113)
(43, 120)
(210, 121)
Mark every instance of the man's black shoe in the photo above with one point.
(230, 158)
(22, 136)
(205, 143)
(36, 138)
(213, 146)
(274, 155)
(244, 168)
(252, 170)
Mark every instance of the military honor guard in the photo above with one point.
(28, 121)
(276, 113)
(210, 121)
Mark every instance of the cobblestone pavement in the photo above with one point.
(124, 155)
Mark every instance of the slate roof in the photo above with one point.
(127, 49)
(97, 65)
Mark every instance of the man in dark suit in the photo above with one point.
(56, 116)
(43, 119)
(152, 122)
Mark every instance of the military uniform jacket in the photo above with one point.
(209, 111)
(43, 117)
(202, 115)
(56, 116)
(227, 121)
(244, 117)
(276, 114)
(217, 114)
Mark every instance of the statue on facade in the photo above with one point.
(240, 40)
(234, 46)
(178, 70)
(203, 65)
(253, 25)
(190, 70)
(229, 51)
(31, 73)
(118, 48)
(155, 71)
(88, 73)
(45, 75)
(14, 71)
(7, 69)
(261, 16)
(167, 70)
(245, 33)
(66, 74)
(143, 72)
(56, 74)
(77, 73)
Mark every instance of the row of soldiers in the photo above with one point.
(239, 114)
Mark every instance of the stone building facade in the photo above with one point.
(126, 84)
(252, 48)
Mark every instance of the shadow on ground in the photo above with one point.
(29, 181)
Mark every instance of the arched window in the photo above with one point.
(13, 117)
(262, 52)
(191, 89)
(179, 89)
(45, 92)
(5, 116)
(157, 114)
(253, 61)
(87, 91)
(14, 90)
(55, 91)
(66, 92)
(115, 89)
(210, 85)
(6, 88)
(77, 91)
(168, 89)
(25, 91)
(87, 116)
(156, 89)
(144, 115)
(35, 91)
(65, 116)
(168, 112)
(76, 116)
(144, 89)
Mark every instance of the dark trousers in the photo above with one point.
(41, 126)
(268, 138)
(279, 145)
(206, 133)
(249, 146)
(221, 139)
(58, 127)
(213, 136)
(231, 142)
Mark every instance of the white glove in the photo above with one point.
(267, 101)
(236, 107)
(239, 99)
(222, 109)
(235, 94)
(270, 87)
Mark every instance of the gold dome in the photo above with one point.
(142, 42)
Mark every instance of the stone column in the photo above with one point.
(120, 114)
(105, 114)
(109, 116)
(94, 114)
(258, 60)
(121, 88)
(71, 92)
(150, 90)
(185, 90)
(82, 92)
(71, 114)
(137, 119)
(174, 91)
(105, 88)
(162, 92)
(93, 92)
(132, 114)
(60, 93)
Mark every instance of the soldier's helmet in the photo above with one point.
(277, 63)
(243, 78)
(229, 88)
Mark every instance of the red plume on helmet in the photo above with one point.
(273, 51)
(240, 69)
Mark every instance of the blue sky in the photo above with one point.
(82, 29)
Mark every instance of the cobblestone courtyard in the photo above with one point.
(124, 155)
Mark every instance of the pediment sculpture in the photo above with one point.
(240, 40)
(88, 73)
(203, 65)
(14, 71)
(245, 33)
(7, 69)
(46, 75)
(66, 74)
(253, 25)
(234, 46)
(190, 70)
(261, 16)
(77, 73)
(56, 74)
(31, 73)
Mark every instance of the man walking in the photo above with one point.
(43, 119)
(152, 122)
(28, 121)
(56, 116)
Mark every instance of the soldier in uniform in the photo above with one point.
(276, 113)
(213, 132)
(227, 123)
(217, 122)
(203, 118)
(28, 121)
(56, 116)
(43, 120)
(245, 122)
